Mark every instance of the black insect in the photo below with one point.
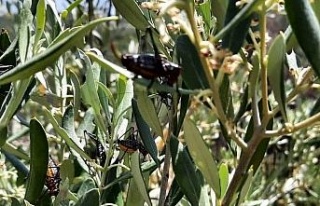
(128, 145)
(131, 144)
(152, 66)
(53, 179)
(99, 150)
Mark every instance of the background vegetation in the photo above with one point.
(240, 126)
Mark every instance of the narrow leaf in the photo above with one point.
(137, 177)
(193, 74)
(145, 133)
(49, 56)
(185, 172)
(224, 178)
(201, 155)
(130, 10)
(149, 112)
(276, 60)
(41, 21)
(306, 28)
(38, 161)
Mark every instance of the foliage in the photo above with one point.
(238, 127)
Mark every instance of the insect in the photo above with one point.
(99, 150)
(131, 144)
(152, 66)
(53, 179)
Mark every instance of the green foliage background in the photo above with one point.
(241, 127)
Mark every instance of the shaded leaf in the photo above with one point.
(245, 187)
(145, 133)
(235, 37)
(175, 194)
(241, 15)
(38, 161)
(185, 172)
(306, 28)
(89, 198)
(193, 74)
(315, 108)
(149, 112)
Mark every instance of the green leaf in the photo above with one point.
(7, 49)
(67, 170)
(261, 150)
(123, 101)
(25, 21)
(185, 172)
(243, 105)
(226, 97)
(90, 94)
(241, 15)
(235, 37)
(87, 184)
(137, 177)
(245, 187)
(89, 198)
(38, 161)
(184, 106)
(40, 61)
(130, 10)
(134, 196)
(109, 66)
(175, 194)
(219, 8)
(306, 28)
(64, 135)
(145, 133)
(112, 193)
(205, 10)
(224, 178)
(276, 60)
(76, 92)
(201, 155)
(193, 74)
(40, 21)
(68, 122)
(149, 112)
(18, 95)
(316, 108)
(315, 6)
(147, 167)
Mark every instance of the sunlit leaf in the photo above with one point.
(276, 60)
(224, 178)
(130, 10)
(137, 177)
(201, 155)
(41, 61)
